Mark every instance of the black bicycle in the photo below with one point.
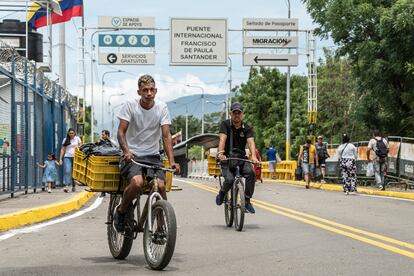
(234, 199)
(160, 230)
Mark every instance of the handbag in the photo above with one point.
(298, 173)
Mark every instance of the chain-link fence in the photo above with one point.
(35, 113)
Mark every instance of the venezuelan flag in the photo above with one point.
(37, 17)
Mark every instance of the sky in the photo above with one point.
(171, 81)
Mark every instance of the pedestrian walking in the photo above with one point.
(323, 154)
(50, 175)
(69, 144)
(271, 157)
(379, 146)
(347, 153)
(308, 159)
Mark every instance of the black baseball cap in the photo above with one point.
(236, 107)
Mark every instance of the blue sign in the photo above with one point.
(121, 40)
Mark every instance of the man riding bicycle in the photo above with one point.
(242, 134)
(142, 122)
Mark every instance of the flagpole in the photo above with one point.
(84, 71)
(62, 55)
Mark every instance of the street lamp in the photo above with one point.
(186, 119)
(113, 115)
(114, 95)
(202, 105)
(220, 102)
(103, 89)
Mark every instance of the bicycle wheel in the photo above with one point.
(239, 205)
(228, 209)
(159, 244)
(119, 243)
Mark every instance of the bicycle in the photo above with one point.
(234, 199)
(159, 232)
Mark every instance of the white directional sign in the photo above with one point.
(198, 41)
(270, 24)
(270, 42)
(126, 22)
(127, 58)
(269, 60)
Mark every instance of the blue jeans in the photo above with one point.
(67, 170)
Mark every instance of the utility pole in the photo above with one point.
(228, 97)
(288, 103)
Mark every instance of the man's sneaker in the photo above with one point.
(65, 189)
(249, 208)
(307, 186)
(49, 190)
(323, 181)
(119, 221)
(380, 187)
(73, 189)
(220, 198)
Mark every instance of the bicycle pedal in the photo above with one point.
(108, 222)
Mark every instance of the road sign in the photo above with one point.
(121, 40)
(270, 24)
(126, 22)
(198, 41)
(127, 58)
(251, 59)
(270, 42)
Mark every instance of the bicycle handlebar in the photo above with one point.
(154, 167)
(238, 159)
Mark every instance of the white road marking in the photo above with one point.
(37, 227)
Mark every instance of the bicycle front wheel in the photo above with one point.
(238, 205)
(119, 243)
(228, 209)
(159, 244)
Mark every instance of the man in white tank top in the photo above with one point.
(143, 121)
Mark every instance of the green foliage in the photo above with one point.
(194, 151)
(378, 38)
(194, 126)
(264, 97)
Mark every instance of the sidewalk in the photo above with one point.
(35, 207)
(390, 192)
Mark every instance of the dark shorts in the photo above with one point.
(129, 170)
(322, 163)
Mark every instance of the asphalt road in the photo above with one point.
(294, 232)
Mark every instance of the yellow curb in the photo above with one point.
(331, 187)
(30, 216)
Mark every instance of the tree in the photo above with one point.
(378, 38)
(264, 100)
(194, 125)
(338, 100)
(212, 122)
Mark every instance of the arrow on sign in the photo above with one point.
(257, 59)
(112, 58)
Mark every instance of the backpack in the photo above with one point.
(382, 151)
(322, 152)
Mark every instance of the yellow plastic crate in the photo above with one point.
(103, 175)
(79, 166)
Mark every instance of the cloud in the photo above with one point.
(169, 89)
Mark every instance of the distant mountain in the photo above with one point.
(212, 103)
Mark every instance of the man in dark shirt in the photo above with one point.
(242, 134)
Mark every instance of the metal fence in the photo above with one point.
(400, 162)
(35, 113)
